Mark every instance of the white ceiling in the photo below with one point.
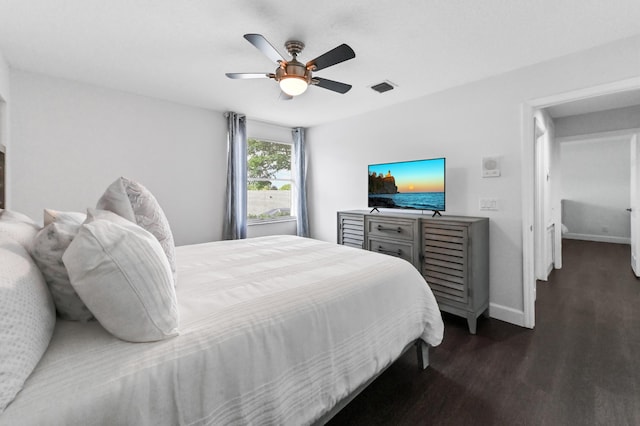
(179, 50)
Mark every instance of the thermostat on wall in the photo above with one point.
(490, 166)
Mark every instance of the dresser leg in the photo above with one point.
(472, 321)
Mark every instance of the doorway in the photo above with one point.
(529, 227)
(595, 186)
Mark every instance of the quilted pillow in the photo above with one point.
(51, 216)
(48, 247)
(27, 318)
(133, 201)
(18, 226)
(121, 273)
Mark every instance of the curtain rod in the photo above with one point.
(268, 123)
(272, 124)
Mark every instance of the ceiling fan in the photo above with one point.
(293, 76)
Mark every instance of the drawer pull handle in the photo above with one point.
(391, 252)
(382, 228)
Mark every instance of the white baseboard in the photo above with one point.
(506, 314)
(598, 238)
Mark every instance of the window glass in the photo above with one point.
(269, 180)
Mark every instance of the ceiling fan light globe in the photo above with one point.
(293, 86)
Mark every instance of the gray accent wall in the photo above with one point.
(596, 173)
(595, 189)
(597, 122)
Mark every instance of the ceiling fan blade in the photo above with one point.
(247, 75)
(336, 86)
(265, 47)
(334, 56)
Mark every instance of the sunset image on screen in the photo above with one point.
(414, 176)
(416, 184)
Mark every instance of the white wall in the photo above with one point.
(4, 78)
(463, 124)
(71, 140)
(595, 189)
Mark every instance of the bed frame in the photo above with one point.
(422, 351)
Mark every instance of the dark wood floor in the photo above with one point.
(579, 366)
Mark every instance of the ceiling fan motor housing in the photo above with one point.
(293, 68)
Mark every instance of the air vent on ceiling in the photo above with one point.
(385, 86)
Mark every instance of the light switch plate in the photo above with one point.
(488, 204)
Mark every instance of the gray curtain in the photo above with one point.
(235, 219)
(300, 179)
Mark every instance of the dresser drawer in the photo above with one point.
(398, 229)
(399, 249)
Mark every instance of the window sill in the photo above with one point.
(252, 222)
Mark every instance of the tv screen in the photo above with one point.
(417, 185)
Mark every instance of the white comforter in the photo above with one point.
(273, 330)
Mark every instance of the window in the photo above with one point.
(269, 180)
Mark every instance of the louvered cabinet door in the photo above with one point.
(455, 263)
(351, 229)
(445, 254)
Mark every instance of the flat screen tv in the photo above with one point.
(414, 185)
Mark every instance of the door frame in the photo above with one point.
(634, 205)
(527, 160)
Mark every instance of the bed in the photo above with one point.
(106, 322)
(273, 330)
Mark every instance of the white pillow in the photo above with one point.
(121, 273)
(96, 214)
(48, 247)
(75, 218)
(27, 318)
(18, 226)
(136, 203)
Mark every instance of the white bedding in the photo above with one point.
(273, 330)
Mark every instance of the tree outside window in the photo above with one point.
(269, 180)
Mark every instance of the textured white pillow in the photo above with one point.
(27, 318)
(18, 226)
(133, 201)
(48, 247)
(121, 273)
(75, 218)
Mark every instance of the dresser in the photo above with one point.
(451, 253)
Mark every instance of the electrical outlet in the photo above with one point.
(488, 204)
